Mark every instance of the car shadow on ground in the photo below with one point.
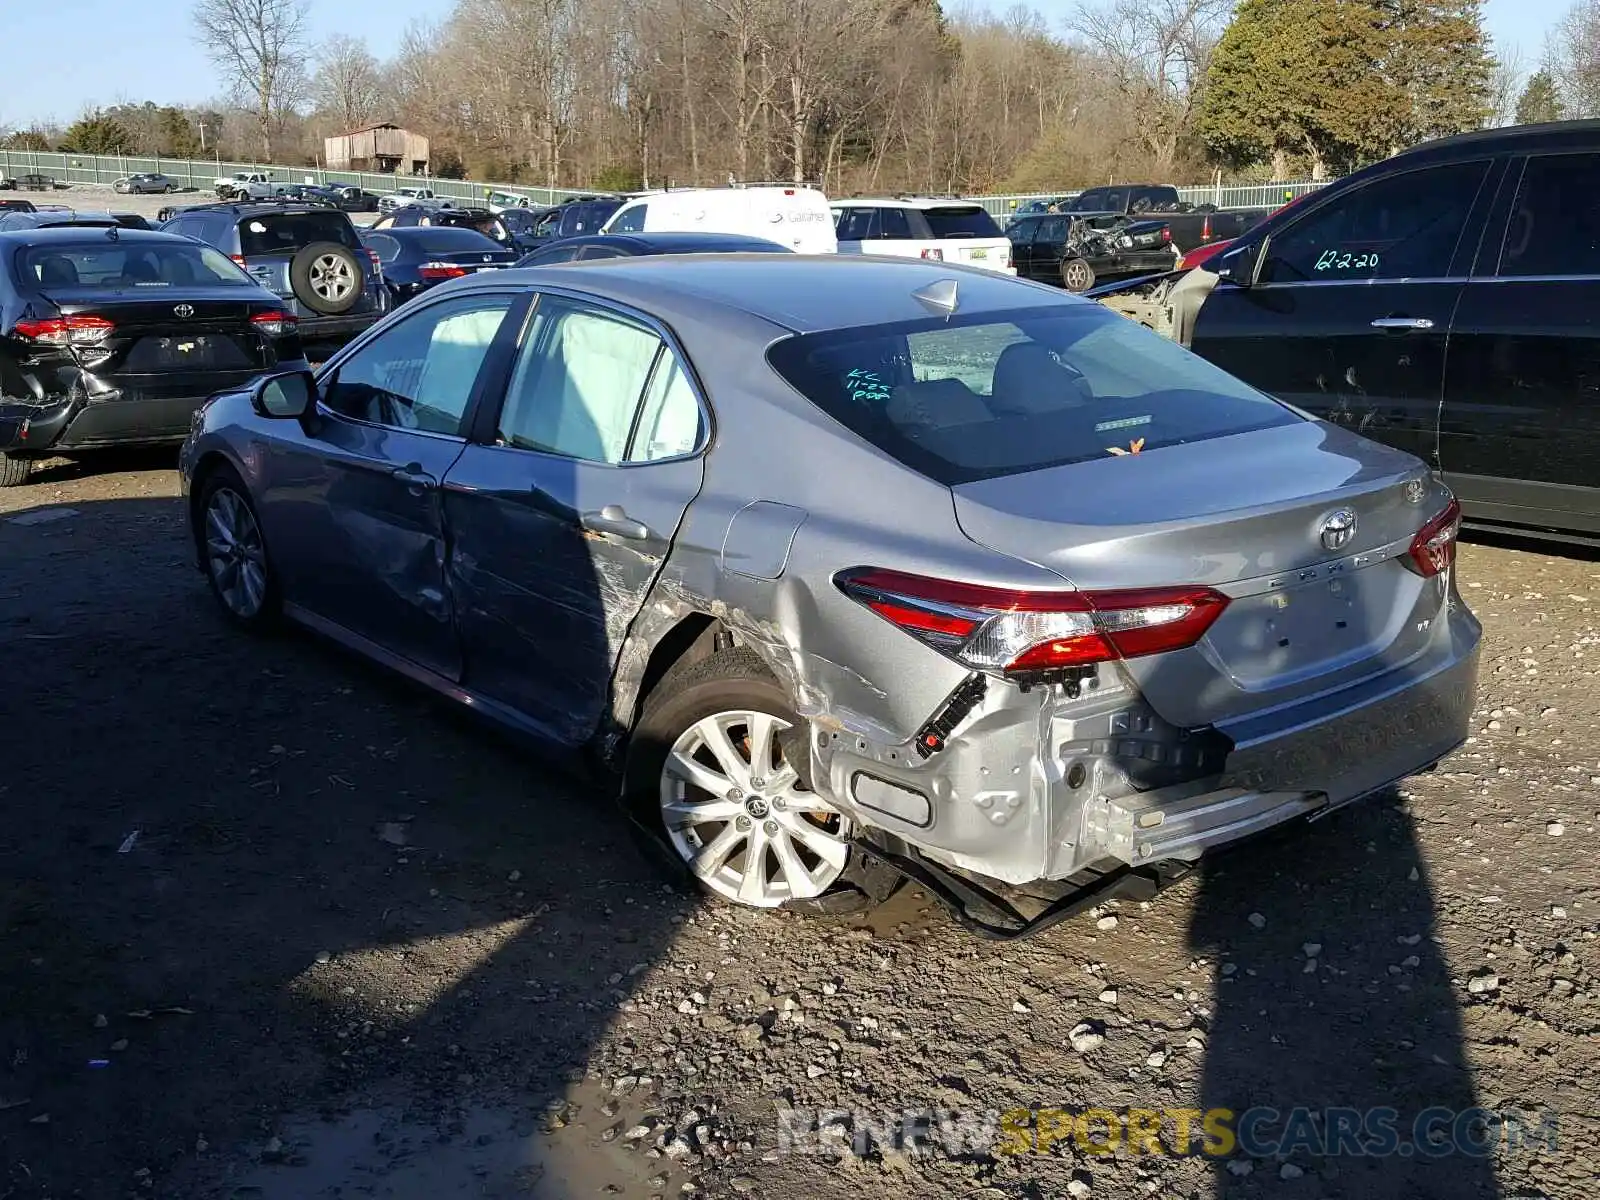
(240, 876)
(1337, 1010)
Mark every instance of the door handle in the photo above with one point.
(613, 519)
(1402, 323)
(413, 475)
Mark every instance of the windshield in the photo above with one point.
(102, 264)
(287, 233)
(965, 221)
(994, 394)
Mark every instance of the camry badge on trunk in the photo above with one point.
(1338, 527)
(183, 310)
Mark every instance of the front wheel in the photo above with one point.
(709, 772)
(235, 553)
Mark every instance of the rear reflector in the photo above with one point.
(1022, 632)
(435, 271)
(79, 330)
(1433, 550)
(275, 324)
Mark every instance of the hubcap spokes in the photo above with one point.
(736, 813)
(234, 553)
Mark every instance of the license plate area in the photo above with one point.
(195, 352)
(1283, 634)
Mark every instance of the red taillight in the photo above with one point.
(933, 253)
(1433, 550)
(1205, 230)
(435, 271)
(237, 259)
(1021, 632)
(377, 263)
(1166, 233)
(275, 324)
(65, 331)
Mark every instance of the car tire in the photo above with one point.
(1077, 275)
(228, 533)
(327, 278)
(698, 834)
(14, 470)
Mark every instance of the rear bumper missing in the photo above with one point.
(1034, 788)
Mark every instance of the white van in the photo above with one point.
(792, 216)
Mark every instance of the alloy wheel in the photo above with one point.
(235, 555)
(737, 814)
(332, 277)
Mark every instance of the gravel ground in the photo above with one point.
(274, 925)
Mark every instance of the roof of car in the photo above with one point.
(679, 243)
(800, 292)
(923, 202)
(77, 233)
(1516, 137)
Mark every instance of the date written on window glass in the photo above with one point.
(1347, 260)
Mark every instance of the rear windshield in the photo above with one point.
(490, 226)
(1000, 393)
(446, 239)
(287, 233)
(145, 266)
(961, 222)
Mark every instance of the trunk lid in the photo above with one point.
(150, 336)
(1244, 514)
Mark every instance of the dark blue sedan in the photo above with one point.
(417, 258)
(629, 245)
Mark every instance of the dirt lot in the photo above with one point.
(273, 925)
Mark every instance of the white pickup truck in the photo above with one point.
(245, 185)
(938, 228)
(415, 197)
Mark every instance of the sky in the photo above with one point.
(59, 57)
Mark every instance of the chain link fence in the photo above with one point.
(200, 175)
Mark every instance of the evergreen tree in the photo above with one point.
(1435, 56)
(1538, 101)
(96, 134)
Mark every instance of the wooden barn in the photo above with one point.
(382, 147)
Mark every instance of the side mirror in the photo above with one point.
(291, 396)
(1240, 267)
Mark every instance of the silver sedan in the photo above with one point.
(848, 569)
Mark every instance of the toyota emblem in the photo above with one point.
(1337, 528)
(1414, 491)
(184, 311)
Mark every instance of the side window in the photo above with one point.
(419, 373)
(578, 382)
(1404, 226)
(669, 425)
(631, 220)
(217, 229)
(593, 252)
(182, 226)
(858, 225)
(1050, 232)
(1554, 227)
(556, 254)
(387, 248)
(895, 225)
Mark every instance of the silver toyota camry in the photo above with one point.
(851, 569)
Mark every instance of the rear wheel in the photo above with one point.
(1077, 275)
(14, 470)
(709, 772)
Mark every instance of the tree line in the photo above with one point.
(866, 95)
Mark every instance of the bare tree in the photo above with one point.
(347, 84)
(260, 46)
(1505, 86)
(1572, 56)
(1157, 52)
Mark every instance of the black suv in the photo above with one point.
(1073, 253)
(309, 256)
(1441, 301)
(571, 218)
